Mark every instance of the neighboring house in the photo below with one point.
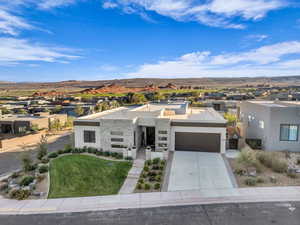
(173, 126)
(18, 124)
(275, 124)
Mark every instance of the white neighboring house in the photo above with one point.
(163, 127)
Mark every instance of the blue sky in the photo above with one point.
(53, 40)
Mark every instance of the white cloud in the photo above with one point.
(49, 4)
(266, 60)
(13, 51)
(216, 13)
(257, 37)
(11, 24)
(109, 5)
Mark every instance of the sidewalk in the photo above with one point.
(149, 200)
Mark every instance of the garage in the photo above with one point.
(200, 142)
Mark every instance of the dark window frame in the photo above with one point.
(89, 136)
(289, 125)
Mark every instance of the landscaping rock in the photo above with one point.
(38, 194)
(252, 172)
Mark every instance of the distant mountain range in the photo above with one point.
(148, 82)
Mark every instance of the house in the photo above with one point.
(168, 126)
(273, 124)
(18, 124)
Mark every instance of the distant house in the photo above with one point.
(274, 124)
(18, 124)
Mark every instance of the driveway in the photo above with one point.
(198, 170)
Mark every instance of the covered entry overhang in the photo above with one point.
(200, 137)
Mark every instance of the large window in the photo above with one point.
(89, 136)
(289, 132)
(116, 139)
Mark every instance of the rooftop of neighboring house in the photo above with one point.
(277, 104)
(172, 111)
(12, 118)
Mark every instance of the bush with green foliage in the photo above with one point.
(68, 148)
(129, 158)
(250, 181)
(139, 186)
(292, 175)
(26, 162)
(26, 180)
(19, 194)
(156, 161)
(147, 186)
(148, 162)
(42, 147)
(260, 180)
(45, 160)
(43, 169)
(157, 186)
(279, 166)
(52, 155)
(106, 154)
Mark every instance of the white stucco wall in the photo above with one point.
(79, 139)
(214, 130)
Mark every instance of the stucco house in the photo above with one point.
(274, 123)
(163, 127)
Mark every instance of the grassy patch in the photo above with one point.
(82, 175)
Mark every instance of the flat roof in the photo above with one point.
(157, 111)
(278, 104)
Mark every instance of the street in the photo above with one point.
(10, 161)
(216, 214)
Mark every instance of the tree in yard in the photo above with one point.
(42, 147)
(79, 110)
(5, 110)
(69, 122)
(21, 111)
(26, 161)
(136, 98)
(55, 125)
(57, 109)
(231, 118)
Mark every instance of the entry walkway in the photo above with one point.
(148, 200)
(198, 171)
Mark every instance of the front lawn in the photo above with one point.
(83, 175)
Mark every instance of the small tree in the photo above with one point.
(26, 161)
(69, 122)
(57, 109)
(79, 110)
(231, 118)
(42, 147)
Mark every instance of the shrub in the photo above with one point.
(260, 180)
(114, 154)
(250, 181)
(139, 186)
(68, 148)
(247, 158)
(144, 175)
(155, 167)
(26, 162)
(292, 175)
(148, 162)
(26, 180)
(161, 168)
(146, 168)
(158, 178)
(265, 158)
(152, 179)
(45, 160)
(147, 186)
(42, 147)
(160, 173)
(129, 158)
(52, 155)
(43, 169)
(19, 194)
(273, 179)
(119, 156)
(279, 166)
(15, 175)
(240, 171)
(163, 163)
(156, 161)
(298, 161)
(141, 180)
(157, 186)
(60, 152)
(152, 174)
(107, 154)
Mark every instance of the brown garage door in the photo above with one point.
(202, 142)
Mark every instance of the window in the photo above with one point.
(89, 136)
(162, 145)
(22, 129)
(162, 138)
(163, 132)
(261, 124)
(118, 146)
(117, 133)
(288, 132)
(117, 139)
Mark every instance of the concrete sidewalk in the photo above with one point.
(149, 200)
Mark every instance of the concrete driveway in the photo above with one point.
(198, 170)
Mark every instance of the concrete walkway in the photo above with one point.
(133, 177)
(198, 170)
(149, 200)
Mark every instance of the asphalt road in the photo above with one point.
(10, 161)
(217, 214)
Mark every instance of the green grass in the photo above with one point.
(82, 175)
